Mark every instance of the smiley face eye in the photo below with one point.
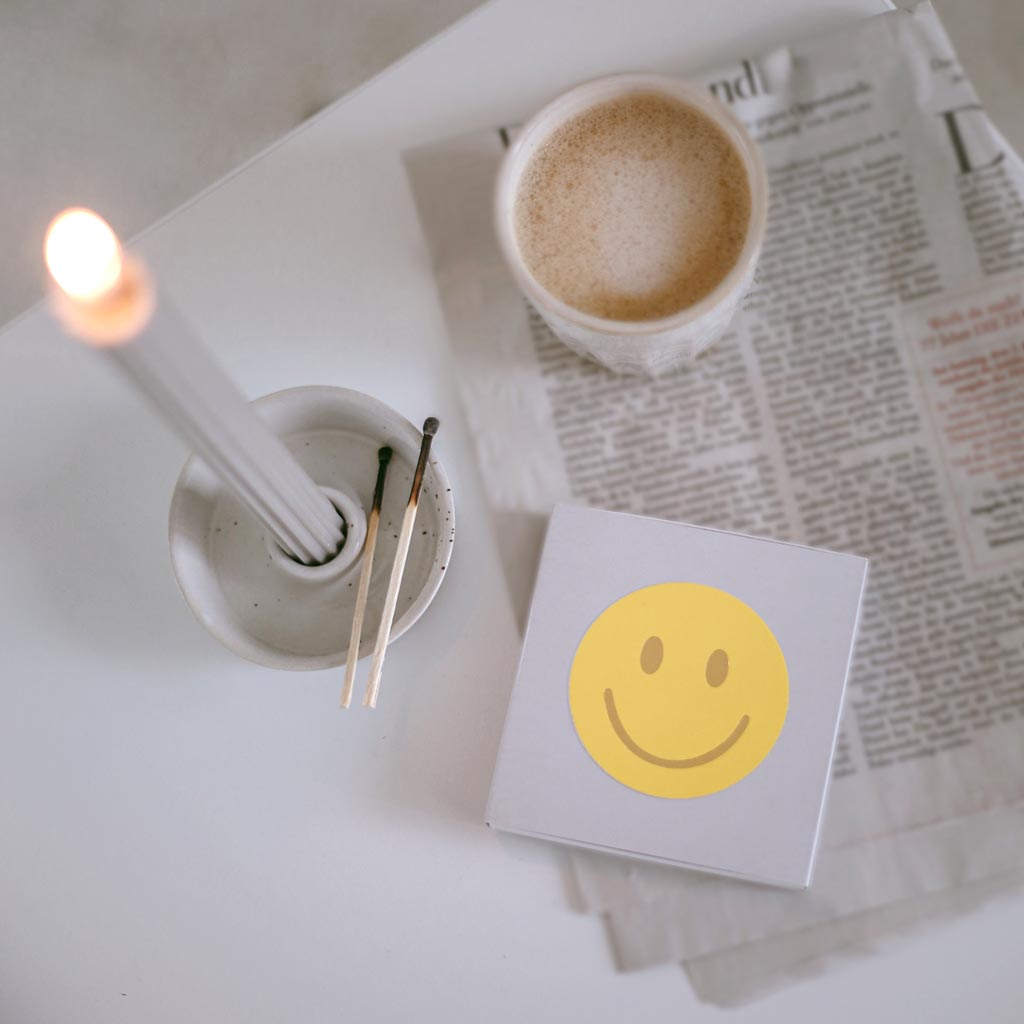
(717, 668)
(651, 655)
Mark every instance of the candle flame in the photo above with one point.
(83, 254)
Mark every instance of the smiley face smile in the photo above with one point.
(670, 762)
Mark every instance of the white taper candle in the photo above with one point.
(106, 299)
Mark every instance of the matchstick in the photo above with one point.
(372, 525)
(398, 569)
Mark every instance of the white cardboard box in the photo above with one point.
(678, 695)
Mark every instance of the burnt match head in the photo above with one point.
(384, 455)
(430, 425)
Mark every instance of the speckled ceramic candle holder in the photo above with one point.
(277, 612)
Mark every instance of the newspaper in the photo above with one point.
(758, 968)
(870, 398)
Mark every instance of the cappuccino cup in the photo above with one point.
(631, 211)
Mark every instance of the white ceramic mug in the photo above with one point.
(642, 346)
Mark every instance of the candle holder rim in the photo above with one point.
(192, 473)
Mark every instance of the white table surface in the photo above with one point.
(187, 837)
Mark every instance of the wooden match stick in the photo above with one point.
(372, 525)
(398, 569)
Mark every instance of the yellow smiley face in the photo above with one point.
(678, 690)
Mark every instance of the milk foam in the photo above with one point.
(634, 209)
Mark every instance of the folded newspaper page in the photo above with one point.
(870, 398)
(759, 968)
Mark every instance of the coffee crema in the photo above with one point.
(634, 209)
